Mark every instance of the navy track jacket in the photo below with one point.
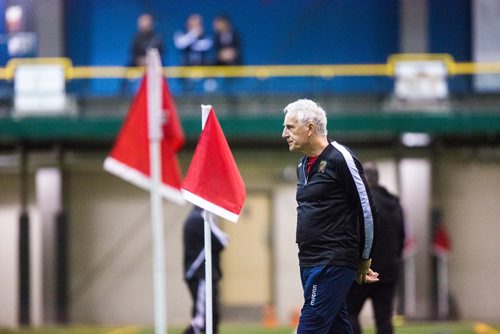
(194, 243)
(335, 214)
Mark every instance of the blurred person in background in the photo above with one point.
(193, 45)
(22, 40)
(226, 42)
(194, 268)
(192, 42)
(386, 258)
(227, 48)
(335, 220)
(144, 39)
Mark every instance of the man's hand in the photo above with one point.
(365, 274)
(371, 277)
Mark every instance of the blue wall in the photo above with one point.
(272, 32)
(450, 32)
(98, 32)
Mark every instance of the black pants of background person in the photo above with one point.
(197, 290)
(382, 296)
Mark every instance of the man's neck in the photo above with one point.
(317, 146)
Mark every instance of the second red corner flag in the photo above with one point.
(213, 181)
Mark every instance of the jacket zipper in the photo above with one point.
(304, 170)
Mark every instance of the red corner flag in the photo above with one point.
(441, 245)
(213, 181)
(129, 158)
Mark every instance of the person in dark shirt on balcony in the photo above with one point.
(226, 42)
(145, 38)
(227, 46)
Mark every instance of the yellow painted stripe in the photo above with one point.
(477, 68)
(125, 330)
(481, 328)
(259, 72)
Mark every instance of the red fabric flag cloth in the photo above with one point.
(129, 158)
(213, 180)
(441, 244)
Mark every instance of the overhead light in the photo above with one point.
(415, 139)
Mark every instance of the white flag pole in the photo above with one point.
(208, 217)
(410, 295)
(154, 78)
(442, 278)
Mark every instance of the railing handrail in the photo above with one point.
(261, 72)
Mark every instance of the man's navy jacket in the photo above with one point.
(335, 214)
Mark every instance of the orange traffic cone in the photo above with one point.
(269, 318)
(295, 316)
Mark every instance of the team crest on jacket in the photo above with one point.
(322, 166)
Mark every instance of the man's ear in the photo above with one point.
(310, 128)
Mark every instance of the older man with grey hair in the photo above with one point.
(335, 220)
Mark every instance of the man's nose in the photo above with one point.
(285, 133)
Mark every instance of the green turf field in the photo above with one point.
(408, 328)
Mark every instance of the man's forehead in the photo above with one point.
(290, 118)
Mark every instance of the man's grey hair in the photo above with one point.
(308, 111)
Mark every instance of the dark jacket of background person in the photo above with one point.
(386, 259)
(194, 269)
(389, 242)
(141, 43)
(193, 237)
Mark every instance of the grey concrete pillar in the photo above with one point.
(413, 26)
(49, 17)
